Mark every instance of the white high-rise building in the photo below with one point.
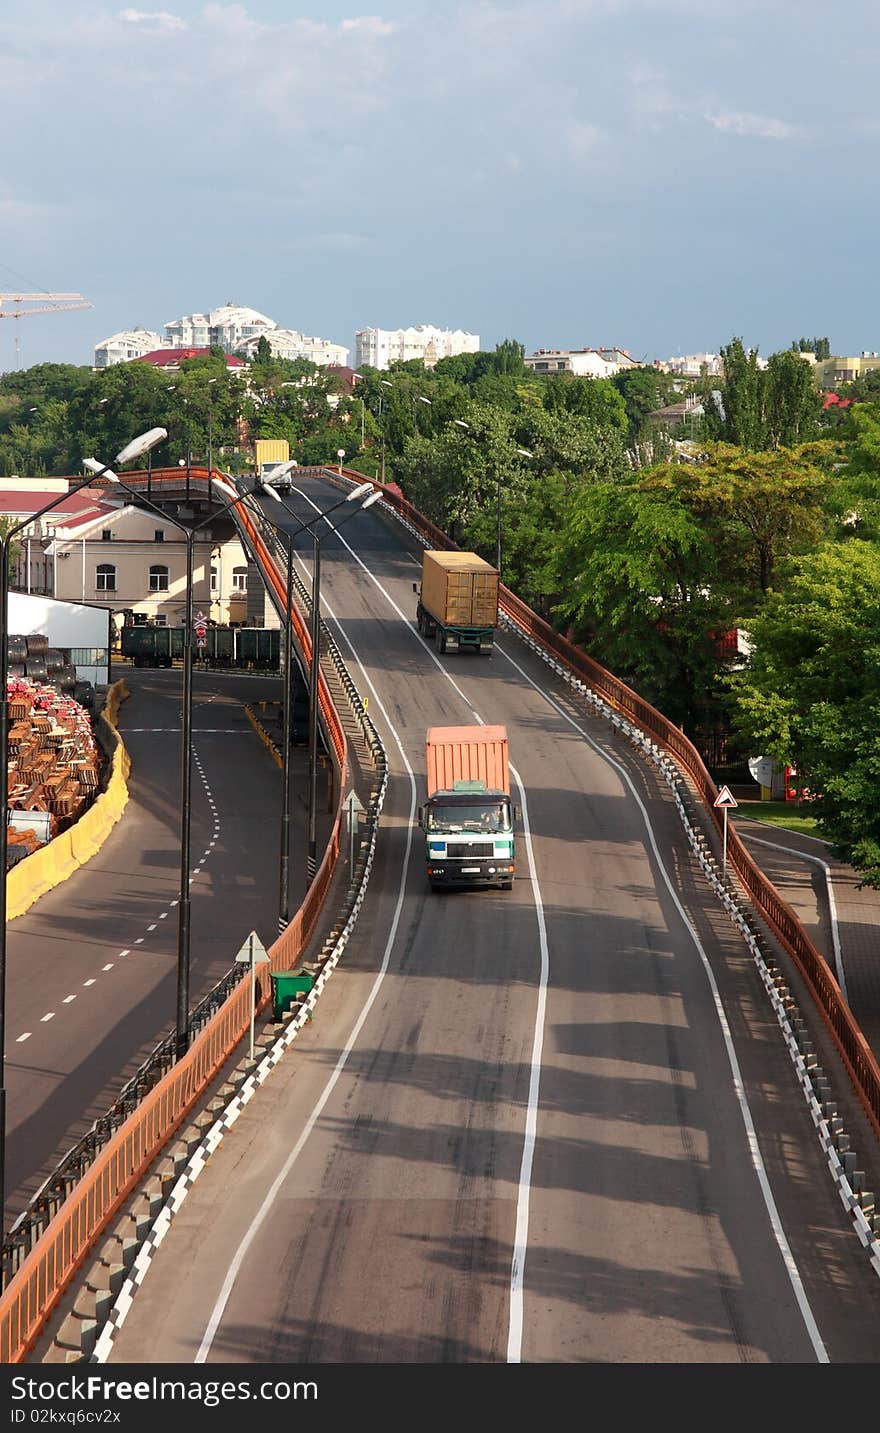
(380, 347)
(226, 327)
(288, 343)
(122, 347)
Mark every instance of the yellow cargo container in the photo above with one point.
(270, 450)
(458, 600)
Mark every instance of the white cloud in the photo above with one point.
(753, 126)
(582, 138)
(159, 22)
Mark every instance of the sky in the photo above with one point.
(659, 175)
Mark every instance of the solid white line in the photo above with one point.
(265, 1208)
(751, 1138)
(523, 1194)
(515, 1316)
(832, 904)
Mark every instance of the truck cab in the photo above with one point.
(469, 837)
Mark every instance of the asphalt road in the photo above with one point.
(555, 1125)
(92, 976)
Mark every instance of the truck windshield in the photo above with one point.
(491, 818)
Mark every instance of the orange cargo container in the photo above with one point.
(467, 753)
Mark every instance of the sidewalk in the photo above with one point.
(795, 864)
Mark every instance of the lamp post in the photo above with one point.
(369, 495)
(184, 903)
(385, 384)
(135, 449)
(340, 453)
(524, 453)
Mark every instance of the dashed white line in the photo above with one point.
(25, 1036)
(88, 982)
(107, 967)
(67, 999)
(49, 1016)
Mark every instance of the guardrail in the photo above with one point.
(115, 1169)
(853, 1048)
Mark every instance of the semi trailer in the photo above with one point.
(458, 601)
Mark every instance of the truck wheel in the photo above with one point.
(441, 641)
(419, 623)
(507, 885)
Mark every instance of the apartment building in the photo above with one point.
(583, 362)
(288, 343)
(380, 347)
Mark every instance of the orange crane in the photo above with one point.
(38, 303)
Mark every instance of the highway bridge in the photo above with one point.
(589, 1120)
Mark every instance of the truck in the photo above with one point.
(458, 601)
(269, 455)
(468, 818)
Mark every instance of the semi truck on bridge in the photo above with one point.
(468, 818)
(458, 600)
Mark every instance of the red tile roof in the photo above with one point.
(24, 500)
(170, 357)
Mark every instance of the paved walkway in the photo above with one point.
(841, 919)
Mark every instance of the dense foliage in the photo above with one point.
(648, 550)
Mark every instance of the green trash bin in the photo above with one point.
(286, 986)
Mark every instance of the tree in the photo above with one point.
(595, 399)
(638, 572)
(790, 401)
(643, 390)
(820, 347)
(810, 696)
(739, 412)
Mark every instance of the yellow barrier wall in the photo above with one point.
(51, 864)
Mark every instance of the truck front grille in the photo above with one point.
(467, 850)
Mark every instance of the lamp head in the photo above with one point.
(359, 492)
(138, 446)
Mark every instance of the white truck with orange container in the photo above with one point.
(468, 818)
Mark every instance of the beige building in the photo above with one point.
(131, 559)
(831, 371)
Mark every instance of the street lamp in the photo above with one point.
(340, 453)
(184, 903)
(135, 449)
(385, 384)
(369, 495)
(524, 453)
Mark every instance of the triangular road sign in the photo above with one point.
(352, 804)
(725, 797)
(252, 949)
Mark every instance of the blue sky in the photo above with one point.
(656, 174)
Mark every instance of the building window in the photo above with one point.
(106, 534)
(105, 577)
(160, 620)
(158, 579)
(158, 535)
(239, 579)
(215, 580)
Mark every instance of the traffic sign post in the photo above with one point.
(252, 953)
(726, 800)
(200, 627)
(353, 809)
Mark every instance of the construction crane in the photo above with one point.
(38, 303)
